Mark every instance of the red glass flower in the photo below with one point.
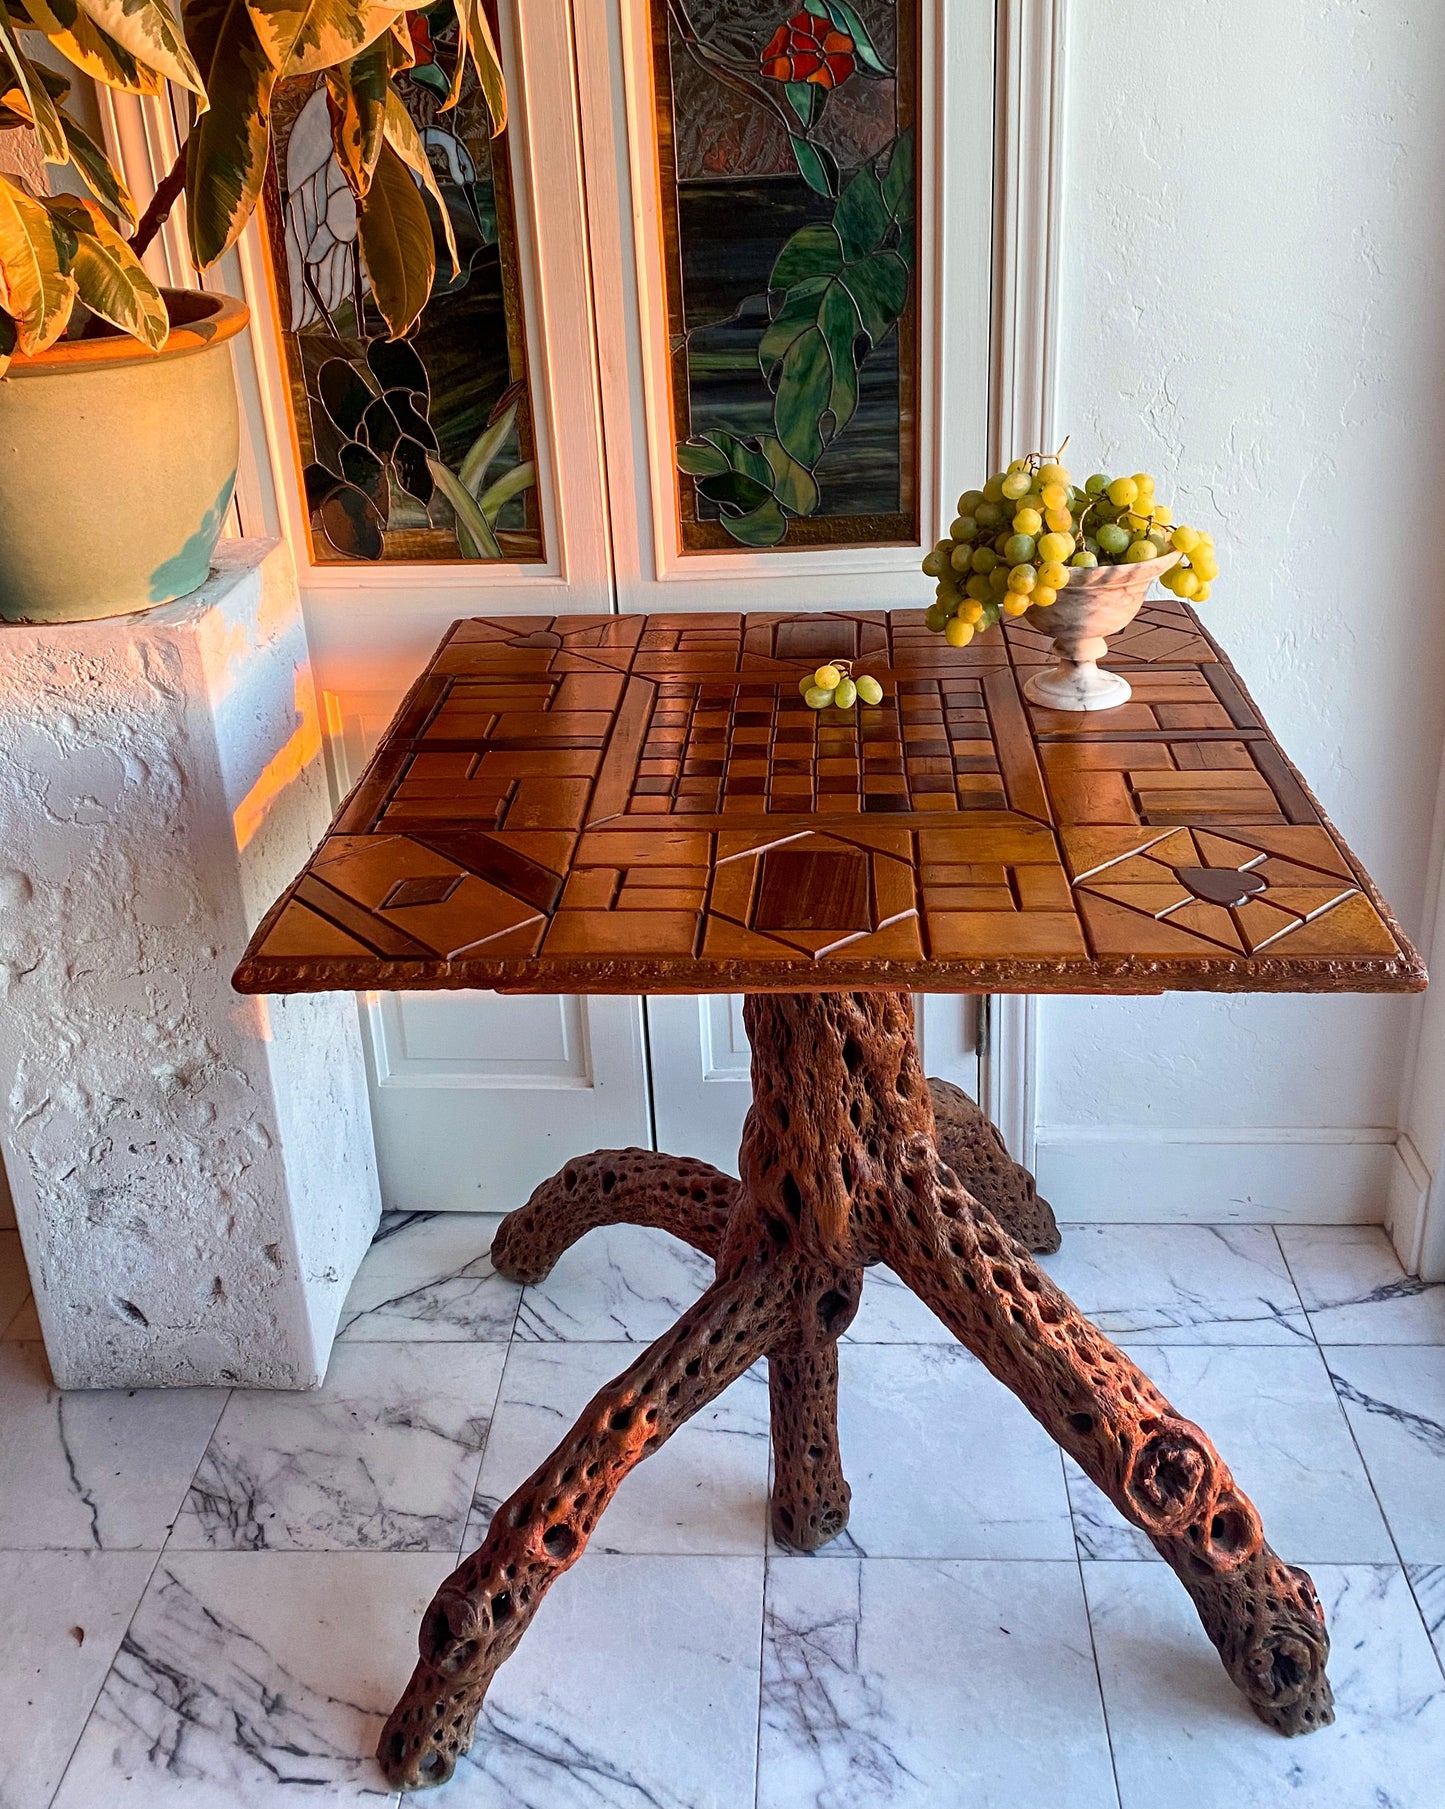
(421, 40)
(809, 49)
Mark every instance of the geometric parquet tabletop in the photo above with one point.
(636, 804)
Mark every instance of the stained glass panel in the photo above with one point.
(786, 153)
(389, 430)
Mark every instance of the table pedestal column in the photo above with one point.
(841, 1167)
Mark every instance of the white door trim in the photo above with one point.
(1028, 206)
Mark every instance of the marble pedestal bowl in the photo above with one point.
(1096, 603)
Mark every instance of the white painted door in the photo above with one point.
(700, 1057)
(476, 1097)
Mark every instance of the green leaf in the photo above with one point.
(812, 251)
(817, 167)
(511, 483)
(846, 19)
(147, 29)
(33, 92)
(81, 41)
(819, 376)
(304, 37)
(98, 172)
(741, 457)
(112, 281)
(765, 526)
(226, 151)
(396, 243)
(879, 287)
(404, 139)
(897, 185)
(806, 100)
(476, 34)
(474, 531)
(793, 484)
(484, 449)
(735, 490)
(357, 89)
(35, 289)
(860, 216)
(700, 461)
(798, 313)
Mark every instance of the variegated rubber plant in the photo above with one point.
(57, 251)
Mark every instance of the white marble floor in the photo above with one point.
(209, 1600)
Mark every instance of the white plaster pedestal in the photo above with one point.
(193, 1172)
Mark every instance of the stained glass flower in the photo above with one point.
(809, 49)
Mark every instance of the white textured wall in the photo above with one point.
(1253, 308)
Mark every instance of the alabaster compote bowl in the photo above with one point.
(1097, 602)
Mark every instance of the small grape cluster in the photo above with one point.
(835, 685)
(1017, 542)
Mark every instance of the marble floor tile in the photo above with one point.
(1181, 1284)
(1354, 1289)
(943, 1461)
(427, 1277)
(62, 1616)
(635, 1688)
(384, 1457)
(622, 1283)
(14, 1278)
(705, 1491)
(254, 1680)
(94, 1468)
(1428, 1583)
(24, 1328)
(1273, 1416)
(890, 1313)
(1394, 1397)
(925, 1684)
(1184, 1738)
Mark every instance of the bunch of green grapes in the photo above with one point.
(834, 685)
(1016, 543)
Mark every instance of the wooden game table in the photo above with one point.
(645, 804)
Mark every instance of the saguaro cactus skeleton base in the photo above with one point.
(842, 1166)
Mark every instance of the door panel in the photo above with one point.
(477, 1097)
(700, 1066)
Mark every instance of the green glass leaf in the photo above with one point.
(879, 287)
(474, 531)
(735, 490)
(817, 167)
(764, 526)
(742, 457)
(700, 461)
(812, 251)
(511, 483)
(351, 523)
(484, 449)
(860, 216)
(806, 100)
(793, 484)
(897, 185)
(846, 18)
(798, 313)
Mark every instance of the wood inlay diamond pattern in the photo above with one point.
(630, 803)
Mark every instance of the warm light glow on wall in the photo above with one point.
(287, 765)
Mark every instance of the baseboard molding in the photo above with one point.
(1218, 1176)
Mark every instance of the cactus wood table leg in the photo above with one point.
(843, 1165)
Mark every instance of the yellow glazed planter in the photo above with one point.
(117, 466)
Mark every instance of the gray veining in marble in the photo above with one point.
(1394, 1396)
(706, 1490)
(636, 1688)
(254, 1680)
(621, 1283)
(102, 1469)
(1183, 1737)
(1274, 1418)
(1181, 1284)
(383, 1457)
(427, 1277)
(1428, 1583)
(918, 1684)
(1355, 1290)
